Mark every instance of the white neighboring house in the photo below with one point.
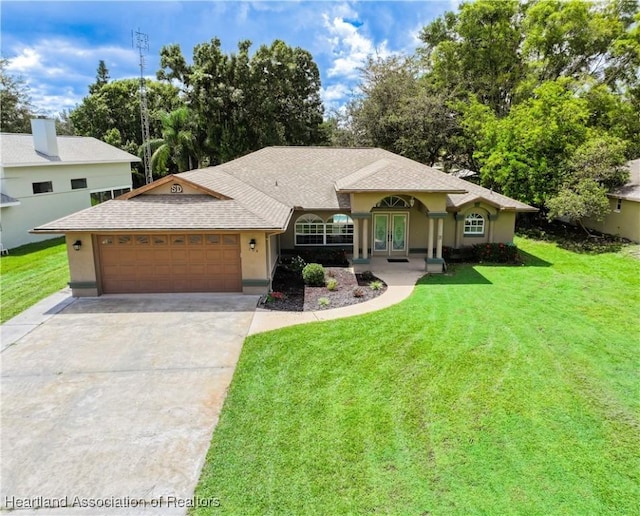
(44, 177)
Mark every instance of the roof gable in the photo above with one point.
(173, 180)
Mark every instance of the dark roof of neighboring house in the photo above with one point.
(630, 191)
(18, 151)
(260, 191)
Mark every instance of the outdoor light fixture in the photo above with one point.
(77, 245)
(412, 201)
(252, 244)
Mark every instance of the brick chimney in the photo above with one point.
(44, 136)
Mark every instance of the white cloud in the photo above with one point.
(348, 43)
(58, 70)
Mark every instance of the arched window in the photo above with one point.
(474, 224)
(309, 230)
(339, 229)
(393, 201)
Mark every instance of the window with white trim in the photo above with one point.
(309, 230)
(474, 224)
(339, 230)
(393, 201)
(312, 230)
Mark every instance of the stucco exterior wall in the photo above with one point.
(83, 271)
(37, 209)
(624, 223)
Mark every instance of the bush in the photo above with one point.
(367, 276)
(323, 301)
(495, 253)
(313, 275)
(297, 264)
(332, 283)
(376, 285)
(358, 292)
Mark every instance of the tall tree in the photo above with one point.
(102, 77)
(241, 102)
(176, 151)
(596, 167)
(16, 110)
(116, 105)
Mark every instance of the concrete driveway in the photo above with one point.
(113, 400)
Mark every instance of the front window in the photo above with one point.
(619, 205)
(339, 229)
(474, 224)
(309, 230)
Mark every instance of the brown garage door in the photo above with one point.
(170, 263)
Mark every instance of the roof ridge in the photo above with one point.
(246, 206)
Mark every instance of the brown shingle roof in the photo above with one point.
(160, 212)
(264, 187)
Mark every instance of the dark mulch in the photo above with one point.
(302, 298)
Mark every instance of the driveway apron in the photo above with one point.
(113, 400)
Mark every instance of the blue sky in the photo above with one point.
(56, 46)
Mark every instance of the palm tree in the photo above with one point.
(176, 151)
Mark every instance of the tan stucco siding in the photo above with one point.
(37, 209)
(500, 229)
(83, 271)
(624, 223)
(365, 201)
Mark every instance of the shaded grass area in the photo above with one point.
(30, 273)
(496, 389)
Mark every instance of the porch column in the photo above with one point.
(365, 238)
(430, 239)
(439, 241)
(356, 239)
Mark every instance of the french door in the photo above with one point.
(390, 234)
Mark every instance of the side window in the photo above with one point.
(42, 187)
(77, 184)
(619, 205)
(474, 224)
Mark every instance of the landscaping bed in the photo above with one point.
(291, 294)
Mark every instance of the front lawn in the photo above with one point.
(30, 273)
(494, 390)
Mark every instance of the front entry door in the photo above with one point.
(390, 234)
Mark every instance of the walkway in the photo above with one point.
(399, 277)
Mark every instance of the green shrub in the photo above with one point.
(376, 285)
(323, 301)
(313, 275)
(332, 283)
(297, 264)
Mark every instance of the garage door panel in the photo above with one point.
(170, 263)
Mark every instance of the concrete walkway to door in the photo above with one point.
(399, 277)
(114, 399)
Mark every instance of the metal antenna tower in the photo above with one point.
(142, 44)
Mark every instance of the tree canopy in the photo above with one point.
(518, 91)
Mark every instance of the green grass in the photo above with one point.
(30, 273)
(494, 390)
